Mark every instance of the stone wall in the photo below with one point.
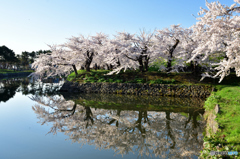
(200, 91)
(2, 75)
(212, 125)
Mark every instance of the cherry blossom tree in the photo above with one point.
(145, 48)
(57, 63)
(170, 45)
(218, 31)
(188, 45)
(132, 51)
(117, 49)
(65, 58)
(110, 52)
(87, 49)
(124, 51)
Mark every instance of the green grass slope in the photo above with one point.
(227, 137)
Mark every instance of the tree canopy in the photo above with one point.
(7, 54)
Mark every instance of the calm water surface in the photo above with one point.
(36, 123)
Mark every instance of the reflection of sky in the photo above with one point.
(21, 137)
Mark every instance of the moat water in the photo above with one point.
(37, 122)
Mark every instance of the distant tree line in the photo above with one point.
(10, 60)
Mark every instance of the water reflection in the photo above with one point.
(9, 87)
(162, 127)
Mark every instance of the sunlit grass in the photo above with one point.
(152, 77)
(123, 77)
(228, 118)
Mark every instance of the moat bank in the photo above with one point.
(199, 91)
(222, 113)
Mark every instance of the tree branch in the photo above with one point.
(130, 58)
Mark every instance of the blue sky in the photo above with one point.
(29, 25)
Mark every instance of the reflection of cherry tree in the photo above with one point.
(165, 134)
(30, 86)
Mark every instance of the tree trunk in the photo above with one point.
(170, 57)
(111, 67)
(141, 68)
(191, 67)
(194, 67)
(118, 63)
(95, 66)
(146, 59)
(108, 68)
(87, 66)
(88, 61)
(75, 70)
